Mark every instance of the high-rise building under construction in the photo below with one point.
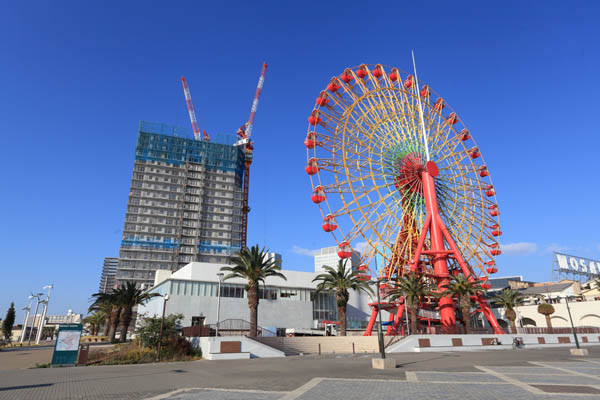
(185, 203)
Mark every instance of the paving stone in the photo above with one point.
(456, 377)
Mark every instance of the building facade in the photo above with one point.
(109, 272)
(185, 203)
(291, 303)
(328, 256)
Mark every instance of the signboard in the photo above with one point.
(67, 345)
(566, 265)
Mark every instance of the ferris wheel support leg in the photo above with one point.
(485, 308)
(440, 265)
(397, 319)
(369, 330)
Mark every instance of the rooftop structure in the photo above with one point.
(185, 203)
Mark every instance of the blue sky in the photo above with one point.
(76, 79)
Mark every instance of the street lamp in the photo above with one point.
(162, 323)
(571, 319)
(379, 328)
(220, 275)
(41, 324)
(28, 308)
(37, 304)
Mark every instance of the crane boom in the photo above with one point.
(261, 80)
(190, 106)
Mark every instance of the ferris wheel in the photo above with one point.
(373, 131)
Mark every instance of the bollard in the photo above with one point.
(353, 352)
(319, 348)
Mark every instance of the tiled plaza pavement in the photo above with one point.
(510, 374)
(551, 380)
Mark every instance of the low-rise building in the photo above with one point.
(291, 303)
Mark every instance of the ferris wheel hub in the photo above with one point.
(432, 168)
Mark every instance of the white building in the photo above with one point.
(328, 256)
(283, 303)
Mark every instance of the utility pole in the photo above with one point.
(162, 323)
(41, 324)
(220, 276)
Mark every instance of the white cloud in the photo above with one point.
(304, 252)
(555, 247)
(521, 248)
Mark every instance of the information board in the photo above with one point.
(66, 347)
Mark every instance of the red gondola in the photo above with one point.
(490, 193)
(497, 232)
(495, 213)
(314, 118)
(439, 104)
(347, 76)
(362, 71)
(483, 171)
(322, 100)
(408, 83)
(465, 135)
(493, 245)
(496, 252)
(491, 270)
(488, 187)
(344, 250)
(318, 195)
(334, 85)
(452, 119)
(486, 286)
(394, 75)
(424, 91)
(490, 263)
(311, 140)
(474, 152)
(377, 71)
(329, 224)
(312, 167)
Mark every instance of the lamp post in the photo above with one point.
(379, 328)
(220, 275)
(162, 323)
(28, 308)
(571, 319)
(41, 324)
(37, 304)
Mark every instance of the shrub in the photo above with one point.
(546, 309)
(149, 329)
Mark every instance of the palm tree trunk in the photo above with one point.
(466, 314)
(513, 326)
(549, 323)
(413, 319)
(125, 320)
(114, 321)
(106, 325)
(342, 312)
(253, 305)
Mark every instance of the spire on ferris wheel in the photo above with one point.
(420, 108)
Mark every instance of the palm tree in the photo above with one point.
(546, 309)
(107, 302)
(105, 309)
(341, 281)
(95, 320)
(413, 288)
(128, 296)
(462, 288)
(509, 299)
(254, 265)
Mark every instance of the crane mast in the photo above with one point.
(190, 106)
(244, 140)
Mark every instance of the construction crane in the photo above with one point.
(190, 106)
(244, 140)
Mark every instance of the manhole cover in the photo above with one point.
(567, 389)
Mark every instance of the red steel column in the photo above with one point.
(440, 266)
